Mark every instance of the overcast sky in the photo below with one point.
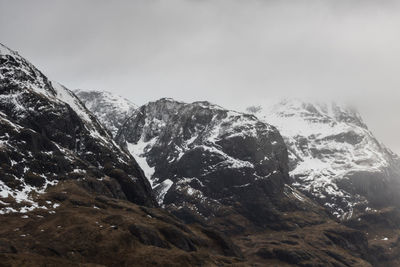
(233, 53)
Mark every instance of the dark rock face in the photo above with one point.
(208, 159)
(47, 135)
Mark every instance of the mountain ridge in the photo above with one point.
(224, 173)
(182, 195)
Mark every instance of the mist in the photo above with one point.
(233, 53)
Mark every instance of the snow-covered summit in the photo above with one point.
(111, 110)
(17, 71)
(333, 156)
(20, 78)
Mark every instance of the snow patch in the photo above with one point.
(138, 152)
(165, 186)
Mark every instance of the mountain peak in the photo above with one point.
(111, 110)
(318, 110)
(332, 154)
(47, 135)
(17, 71)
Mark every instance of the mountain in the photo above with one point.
(203, 162)
(111, 110)
(229, 170)
(47, 135)
(334, 157)
(205, 159)
(70, 196)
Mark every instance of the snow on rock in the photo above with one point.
(179, 128)
(47, 135)
(68, 97)
(110, 109)
(200, 155)
(138, 150)
(162, 189)
(333, 156)
(91, 123)
(17, 71)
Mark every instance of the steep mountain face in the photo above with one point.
(206, 159)
(334, 157)
(111, 110)
(47, 135)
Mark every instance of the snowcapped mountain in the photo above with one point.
(333, 156)
(64, 182)
(64, 186)
(111, 110)
(204, 158)
(230, 170)
(47, 135)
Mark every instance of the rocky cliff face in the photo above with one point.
(47, 135)
(206, 159)
(334, 158)
(111, 110)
